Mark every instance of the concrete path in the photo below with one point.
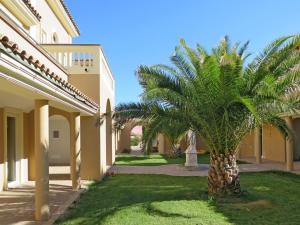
(202, 170)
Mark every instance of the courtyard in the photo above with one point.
(190, 116)
(165, 193)
(161, 199)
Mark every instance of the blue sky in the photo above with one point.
(135, 32)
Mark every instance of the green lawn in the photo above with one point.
(272, 199)
(156, 160)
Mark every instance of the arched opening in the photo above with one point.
(59, 141)
(136, 134)
(108, 125)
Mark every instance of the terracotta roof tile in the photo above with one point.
(70, 16)
(55, 79)
(32, 9)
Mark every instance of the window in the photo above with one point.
(54, 38)
(44, 37)
(55, 134)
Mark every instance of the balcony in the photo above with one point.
(80, 59)
(76, 59)
(19, 36)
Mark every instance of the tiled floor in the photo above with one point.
(17, 204)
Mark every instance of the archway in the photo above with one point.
(136, 134)
(124, 137)
(108, 125)
(59, 141)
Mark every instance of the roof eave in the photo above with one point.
(62, 12)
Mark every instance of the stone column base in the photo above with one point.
(191, 159)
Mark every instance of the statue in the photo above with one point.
(192, 138)
(191, 152)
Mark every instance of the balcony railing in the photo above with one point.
(76, 59)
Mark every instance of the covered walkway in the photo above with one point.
(17, 204)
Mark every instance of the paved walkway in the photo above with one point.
(202, 170)
(17, 204)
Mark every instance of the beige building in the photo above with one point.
(269, 144)
(260, 145)
(52, 94)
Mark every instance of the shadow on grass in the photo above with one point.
(270, 199)
(151, 210)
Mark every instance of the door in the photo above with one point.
(11, 149)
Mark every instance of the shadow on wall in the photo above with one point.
(59, 140)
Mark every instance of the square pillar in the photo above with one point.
(41, 117)
(75, 150)
(289, 146)
(2, 160)
(258, 144)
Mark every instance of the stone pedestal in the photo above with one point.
(191, 159)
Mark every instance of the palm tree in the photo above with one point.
(155, 120)
(221, 98)
(173, 130)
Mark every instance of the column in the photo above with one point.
(2, 161)
(75, 150)
(41, 116)
(289, 147)
(258, 144)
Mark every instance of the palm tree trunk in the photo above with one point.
(175, 151)
(223, 175)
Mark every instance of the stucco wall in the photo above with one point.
(200, 145)
(164, 145)
(246, 147)
(106, 94)
(90, 145)
(273, 144)
(31, 48)
(59, 148)
(50, 24)
(124, 139)
(89, 84)
(161, 143)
